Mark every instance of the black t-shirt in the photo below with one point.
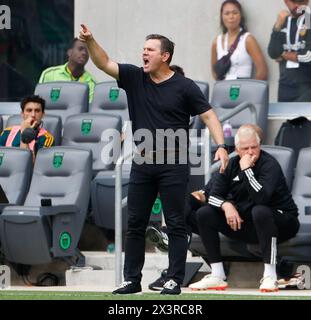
(166, 105)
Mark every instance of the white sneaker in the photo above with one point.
(209, 282)
(268, 284)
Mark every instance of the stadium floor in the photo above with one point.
(92, 293)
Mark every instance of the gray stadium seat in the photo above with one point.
(110, 99)
(298, 248)
(15, 173)
(238, 250)
(229, 94)
(86, 130)
(286, 158)
(103, 198)
(51, 123)
(64, 98)
(204, 86)
(39, 231)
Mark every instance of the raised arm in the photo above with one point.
(98, 54)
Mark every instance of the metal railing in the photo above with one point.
(119, 203)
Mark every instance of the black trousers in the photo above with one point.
(263, 226)
(146, 181)
(293, 92)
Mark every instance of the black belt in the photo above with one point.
(152, 154)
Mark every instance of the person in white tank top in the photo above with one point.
(247, 52)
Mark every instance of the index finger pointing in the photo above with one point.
(84, 27)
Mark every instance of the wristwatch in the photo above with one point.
(223, 145)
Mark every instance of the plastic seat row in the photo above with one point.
(46, 221)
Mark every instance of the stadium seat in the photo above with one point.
(204, 86)
(64, 98)
(229, 94)
(49, 224)
(238, 250)
(15, 173)
(298, 248)
(51, 123)
(110, 99)
(103, 198)
(86, 131)
(286, 158)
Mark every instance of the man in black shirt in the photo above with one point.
(290, 46)
(251, 202)
(158, 100)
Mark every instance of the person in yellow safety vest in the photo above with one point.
(73, 69)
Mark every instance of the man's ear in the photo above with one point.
(69, 52)
(165, 56)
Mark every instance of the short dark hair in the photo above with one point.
(72, 43)
(35, 99)
(166, 45)
(239, 7)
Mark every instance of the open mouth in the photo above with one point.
(146, 62)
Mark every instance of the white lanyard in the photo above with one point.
(289, 45)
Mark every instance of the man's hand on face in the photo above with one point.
(281, 20)
(29, 123)
(247, 161)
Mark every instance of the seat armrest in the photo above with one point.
(55, 210)
(4, 205)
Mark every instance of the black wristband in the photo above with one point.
(223, 145)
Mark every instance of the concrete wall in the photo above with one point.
(120, 26)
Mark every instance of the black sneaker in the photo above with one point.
(128, 287)
(171, 287)
(158, 284)
(158, 237)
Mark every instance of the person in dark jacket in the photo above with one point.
(250, 202)
(290, 46)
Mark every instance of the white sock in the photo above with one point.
(270, 271)
(218, 270)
